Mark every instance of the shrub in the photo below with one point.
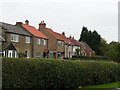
(90, 58)
(46, 74)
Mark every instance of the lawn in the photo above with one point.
(109, 85)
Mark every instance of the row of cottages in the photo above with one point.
(27, 40)
(24, 40)
(60, 46)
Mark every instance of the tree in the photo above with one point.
(78, 51)
(83, 34)
(113, 51)
(103, 46)
(91, 38)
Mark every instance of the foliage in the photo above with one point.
(91, 38)
(90, 58)
(103, 47)
(47, 74)
(78, 51)
(22, 55)
(113, 51)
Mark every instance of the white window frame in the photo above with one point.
(59, 43)
(62, 43)
(45, 42)
(27, 39)
(14, 37)
(38, 41)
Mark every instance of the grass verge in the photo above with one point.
(109, 85)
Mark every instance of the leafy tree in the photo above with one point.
(84, 33)
(113, 51)
(118, 49)
(78, 51)
(91, 38)
(103, 46)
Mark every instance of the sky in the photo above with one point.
(65, 15)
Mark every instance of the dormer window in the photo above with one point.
(14, 38)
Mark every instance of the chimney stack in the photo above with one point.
(18, 23)
(70, 37)
(27, 22)
(63, 33)
(73, 37)
(42, 25)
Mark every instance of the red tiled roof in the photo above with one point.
(59, 36)
(75, 42)
(34, 31)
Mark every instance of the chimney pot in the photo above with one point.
(27, 22)
(63, 33)
(42, 25)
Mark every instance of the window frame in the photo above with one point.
(14, 38)
(38, 41)
(45, 42)
(27, 40)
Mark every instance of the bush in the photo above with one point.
(47, 74)
(113, 51)
(90, 58)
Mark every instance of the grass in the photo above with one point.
(109, 85)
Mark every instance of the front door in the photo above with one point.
(51, 55)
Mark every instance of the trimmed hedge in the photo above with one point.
(45, 74)
(90, 58)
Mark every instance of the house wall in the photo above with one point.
(52, 41)
(39, 49)
(68, 51)
(21, 46)
(61, 48)
(74, 49)
(2, 32)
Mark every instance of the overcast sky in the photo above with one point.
(65, 15)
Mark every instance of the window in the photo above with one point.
(45, 42)
(27, 39)
(62, 43)
(59, 43)
(27, 54)
(14, 38)
(38, 54)
(38, 41)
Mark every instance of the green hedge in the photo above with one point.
(36, 73)
(90, 58)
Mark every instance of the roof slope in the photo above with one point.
(34, 31)
(1, 39)
(58, 36)
(87, 47)
(7, 46)
(14, 29)
(75, 42)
